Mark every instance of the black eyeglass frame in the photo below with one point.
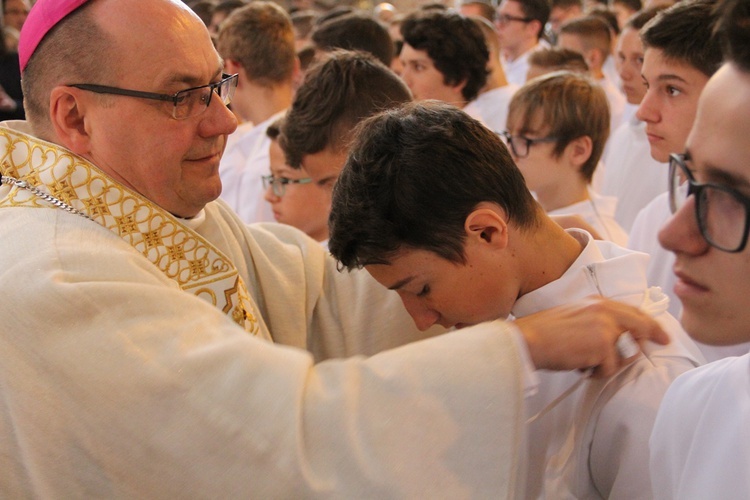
(503, 19)
(677, 161)
(175, 98)
(508, 139)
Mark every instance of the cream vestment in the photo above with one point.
(124, 371)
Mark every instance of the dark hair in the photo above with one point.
(259, 36)
(204, 10)
(640, 18)
(733, 29)
(557, 58)
(338, 92)
(566, 4)
(454, 43)
(684, 34)
(356, 31)
(634, 5)
(228, 6)
(607, 15)
(571, 105)
(538, 10)
(413, 176)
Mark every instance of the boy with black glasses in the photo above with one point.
(700, 447)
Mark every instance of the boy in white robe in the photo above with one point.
(432, 206)
(700, 447)
(557, 127)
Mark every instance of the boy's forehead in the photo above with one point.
(658, 64)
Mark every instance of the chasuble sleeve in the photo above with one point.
(117, 383)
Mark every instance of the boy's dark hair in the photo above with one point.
(566, 4)
(413, 176)
(454, 43)
(607, 15)
(683, 33)
(537, 10)
(356, 31)
(640, 18)
(634, 5)
(733, 29)
(571, 105)
(339, 91)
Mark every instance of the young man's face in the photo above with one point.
(435, 290)
(669, 104)
(713, 285)
(513, 32)
(629, 62)
(424, 80)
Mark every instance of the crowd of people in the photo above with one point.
(484, 249)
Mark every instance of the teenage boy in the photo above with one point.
(700, 447)
(630, 173)
(520, 27)
(257, 43)
(444, 56)
(680, 56)
(432, 205)
(591, 36)
(338, 92)
(557, 127)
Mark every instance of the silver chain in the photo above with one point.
(4, 179)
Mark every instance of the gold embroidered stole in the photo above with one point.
(176, 250)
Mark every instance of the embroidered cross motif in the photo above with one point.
(197, 268)
(176, 252)
(152, 239)
(96, 206)
(126, 224)
(63, 190)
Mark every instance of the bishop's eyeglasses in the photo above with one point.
(723, 213)
(186, 103)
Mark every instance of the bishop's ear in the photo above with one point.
(67, 111)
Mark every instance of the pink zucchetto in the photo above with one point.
(44, 15)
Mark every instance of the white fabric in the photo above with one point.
(116, 383)
(644, 238)
(630, 173)
(594, 444)
(609, 68)
(516, 70)
(599, 212)
(617, 102)
(700, 447)
(245, 160)
(492, 107)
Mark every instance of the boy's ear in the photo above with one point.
(578, 151)
(67, 110)
(487, 224)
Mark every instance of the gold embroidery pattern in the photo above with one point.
(180, 253)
